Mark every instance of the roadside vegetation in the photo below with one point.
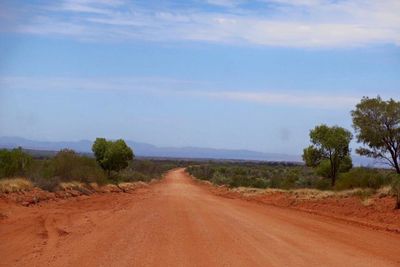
(288, 176)
(328, 163)
(116, 164)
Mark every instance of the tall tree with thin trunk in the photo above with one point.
(329, 144)
(377, 125)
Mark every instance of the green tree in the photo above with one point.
(112, 155)
(377, 125)
(324, 167)
(346, 164)
(99, 149)
(312, 156)
(330, 145)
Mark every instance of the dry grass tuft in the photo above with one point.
(311, 193)
(15, 185)
(384, 191)
(94, 186)
(367, 202)
(71, 186)
(308, 194)
(131, 186)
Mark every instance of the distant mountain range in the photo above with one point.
(148, 150)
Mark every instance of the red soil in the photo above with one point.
(379, 214)
(178, 222)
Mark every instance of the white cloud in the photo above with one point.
(224, 3)
(299, 2)
(181, 88)
(289, 99)
(304, 23)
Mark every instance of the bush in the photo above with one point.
(220, 179)
(396, 190)
(363, 178)
(14, 162)
(65, 166)
(289, 176)
(258, 175)
(260, 183)
(50, 184)
(70, 166)
(133, 176)
(323, 184)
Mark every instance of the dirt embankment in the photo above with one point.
(35, 195)
(375, 211)
(178, 222)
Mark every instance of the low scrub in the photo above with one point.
(68, 169)
(50, 184)
(395, 190)
(364, 178)
(256, 175)
(308, 194)
(14, 162)
(289, 177)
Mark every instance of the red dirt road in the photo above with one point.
(178, 222)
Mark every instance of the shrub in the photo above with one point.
(396, 190)
(362, 178)
(288, 183)
(322, 184)
(70, 166)
(133, 176)
(65, 166)
(14, 162)
(49, 184)
(220, 179)
(260, 183)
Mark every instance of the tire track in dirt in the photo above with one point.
(178, 222)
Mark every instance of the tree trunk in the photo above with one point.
(397, 202)
(397, 167)
(396, 162)
(395, 159)
(333, 172)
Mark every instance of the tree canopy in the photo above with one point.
(377, 125)
(330, 147)
(112, 155)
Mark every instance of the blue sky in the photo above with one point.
(219, 73)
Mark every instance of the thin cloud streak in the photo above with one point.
(156, 86)
(311, 101)
(306, 23)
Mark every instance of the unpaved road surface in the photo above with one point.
(178, 222)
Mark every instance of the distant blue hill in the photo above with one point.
(148, 150)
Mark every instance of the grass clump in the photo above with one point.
(15, 185)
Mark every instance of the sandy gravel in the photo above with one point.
(178, 222)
